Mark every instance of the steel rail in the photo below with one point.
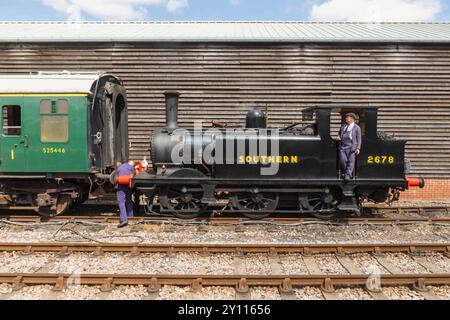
(67, 248)
(240, 282)
(368, 210)
(373, 209)
(229, 220)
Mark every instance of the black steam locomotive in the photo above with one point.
(258, 171)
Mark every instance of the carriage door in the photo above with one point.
(13, 140)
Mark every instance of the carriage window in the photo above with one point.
(54, 120)
(54, 128)
(63, 106)
(11, 120)
(46, 106)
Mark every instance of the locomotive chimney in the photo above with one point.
(171, 110)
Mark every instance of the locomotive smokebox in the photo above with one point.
(171, 110)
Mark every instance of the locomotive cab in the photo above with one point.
(380, 172)
(382, 156)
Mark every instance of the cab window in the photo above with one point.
(54, 120)
(307, 126)
(11, 120)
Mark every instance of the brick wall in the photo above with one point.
(435, 190)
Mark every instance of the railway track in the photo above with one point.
(374, 214)
(285, 283)
(242, 283)
(239, 249)
(231, 220)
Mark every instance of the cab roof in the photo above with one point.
(345, 106)
(43, 83)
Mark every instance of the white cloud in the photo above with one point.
(114, 9)
(376, 10)
(176, 5)
(235, 2)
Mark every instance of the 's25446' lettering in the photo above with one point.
(53, 150)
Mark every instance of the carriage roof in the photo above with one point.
(43, 83)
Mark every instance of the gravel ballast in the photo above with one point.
(217, 264)
(304, 234)
(196, 263)
(45, 292)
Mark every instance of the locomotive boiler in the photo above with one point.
(257, 170)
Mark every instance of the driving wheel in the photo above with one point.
(255, 206)
(182, 202)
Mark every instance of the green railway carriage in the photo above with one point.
(61, 136)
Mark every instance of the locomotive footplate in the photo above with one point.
(146, 180)
(192, 176)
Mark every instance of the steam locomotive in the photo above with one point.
(258, 171)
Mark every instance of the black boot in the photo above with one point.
(122, 224)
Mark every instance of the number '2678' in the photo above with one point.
(381, 160)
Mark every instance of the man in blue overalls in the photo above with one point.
(350, 146)
(124, 193)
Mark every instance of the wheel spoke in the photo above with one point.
(184, 204)
(255, 206)
(321, 208)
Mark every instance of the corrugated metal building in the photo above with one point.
(224, 68)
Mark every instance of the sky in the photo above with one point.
(225, 10)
